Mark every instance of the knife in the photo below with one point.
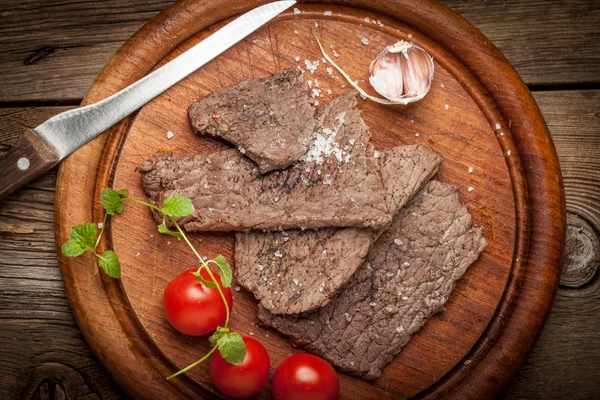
(39, 149)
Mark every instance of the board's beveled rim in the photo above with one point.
(181, 29)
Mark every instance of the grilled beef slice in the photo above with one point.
(271, 120)
(298, 271)
(406, 278)
(337, 183)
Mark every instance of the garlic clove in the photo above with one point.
(411, 63)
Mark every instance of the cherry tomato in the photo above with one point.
(246, 379)
(191, 307)
(305, 377)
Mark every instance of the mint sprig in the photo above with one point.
(85, 237)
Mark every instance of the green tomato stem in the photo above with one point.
(205, 265)
(193, 364)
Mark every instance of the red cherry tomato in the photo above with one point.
(246, 379)
(191, 307)
(305, 377)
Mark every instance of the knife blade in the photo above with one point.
(41, 148)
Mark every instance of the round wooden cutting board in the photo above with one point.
(478, 114)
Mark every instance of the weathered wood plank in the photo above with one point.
(51, 49)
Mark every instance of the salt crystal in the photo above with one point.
(365, 41)
(100, 225)
(261, 267)
(508, 153)
(367, 19)
(264, 278)
(138, 254)
(295, 31)
(168, 242)
(237, 288)
(324, 251)
(442, 85)
(467, 362)
(285, 239)
(335, 54)
(376, 154)
(210, 209)
(297, 58)
(501, 133)
(316, 24)
(498, 126)
(327, 13)
(406, 264)
(446, 106)
(410, 35)
(470, 188)
(329, 70)
(278, 254)
(352, 141)
(400, 330)
(296, 11)
(372, 304)
(470, 170)
(329, 91)
(311, 66)
(241, 149)
(323, 60)
(295, 282)
(170, 135)
(251, 333)
(255, 41)
(316, 103)
(398, 242)
(309, 83)
(417, 134)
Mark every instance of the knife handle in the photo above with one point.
(29, 158)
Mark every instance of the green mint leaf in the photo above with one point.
(232, 348)
(112, 201)
(208, 284)
(224, 270)
(162, 228)
(177, 206)
(213, 339)
(72, 249)
(84, 235)
(110, 264)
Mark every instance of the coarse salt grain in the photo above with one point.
(296, 11)
(417, 134)
(406, 264)
(237, 288)
(446, 106)
(100, 225)
(498, 126)
(295, 281)
(508, 153)
(261, 267)
(470, 170)
(400, 329)
(311, 66)
(295, 31)
(398, 242)
(470, 188)
(170, 135)
(442, 85)
(138, 254)
(316, 103)
(335, 54)
(297, 58)
(251, 333)
(241, 149)
(367, 19)
(410, 35)
(329, 70)
(372, 304)
(329, 91)
(278, 254)
(376, 154)
(327, 13)
(365, 41)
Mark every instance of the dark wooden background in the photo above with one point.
(50, 52)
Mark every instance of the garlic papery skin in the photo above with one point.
(402, 72)
(381, 82)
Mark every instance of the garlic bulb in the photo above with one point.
(402, 72)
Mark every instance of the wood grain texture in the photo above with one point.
(52, 50)
(563, 364)
(494, 87)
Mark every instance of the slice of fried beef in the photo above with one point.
(337, 183)
(406, 278)
(298, 271)
(271, 120)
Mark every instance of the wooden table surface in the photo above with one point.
(50, 52)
